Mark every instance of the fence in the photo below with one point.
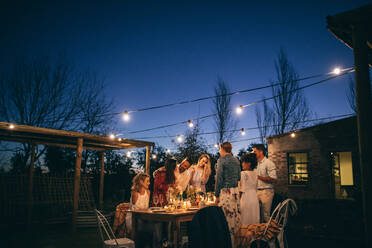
(52, 196)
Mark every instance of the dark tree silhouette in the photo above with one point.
(222, 106)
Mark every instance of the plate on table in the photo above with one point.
(158, 210)
(193, 209)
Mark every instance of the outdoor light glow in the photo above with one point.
(153, 156)
(167, 151)
(216, 145)
(126, 116)
(239, 109)
(293, 135)
(337, 71)
(179, 138)
(190, 123)
(128, 154)
(119, 139)
(11, 126)
(112, 136)
(243, 132)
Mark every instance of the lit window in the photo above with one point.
(298, 165)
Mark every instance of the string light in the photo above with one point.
(293, 135)
(129, 154)
(191, 125)
(239, 109)
(11, 126)
(126, 116)
(119, 139)
(168, 151)
(153, 156)
(216, 145)
(112, 136)
(179, 138)
(243, 132)
(337, 71)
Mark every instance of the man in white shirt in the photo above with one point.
(183, 174)
(266, 174)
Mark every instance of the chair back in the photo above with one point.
(209, 228)
(280, 213)
(105, 228)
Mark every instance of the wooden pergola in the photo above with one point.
(354, 29)
(79, 141)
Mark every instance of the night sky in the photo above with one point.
(159, 52)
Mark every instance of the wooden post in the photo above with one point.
(364, 120)
(101, 180)
(148, 149)
(79, 152)
(30, 186)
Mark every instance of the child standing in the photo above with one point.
(249, 206)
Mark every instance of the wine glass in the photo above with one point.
(155, 200)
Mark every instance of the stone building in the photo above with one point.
(318, 162)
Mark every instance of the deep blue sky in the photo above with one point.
(158, 52)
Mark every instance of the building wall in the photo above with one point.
(318, 142)
(319, 171)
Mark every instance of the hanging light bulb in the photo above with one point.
(239, 109)
(112, 136)
(337, 70)
(293, 135)
(179, 138)
(168, 151)
(11, 126)
(243, 132)
(153, 156)
(216, 145)
(189, 122)
(129, 154)
(126, 116)
(119, 139)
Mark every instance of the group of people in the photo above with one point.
(243, 189)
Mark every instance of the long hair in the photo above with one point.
(170, 166)
(136, 181)
(207, 167)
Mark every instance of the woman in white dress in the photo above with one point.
(201, 172)
(140, 196)
(249, 205)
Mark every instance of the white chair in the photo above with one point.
(271, 231)
(280, 215)
(108, 236)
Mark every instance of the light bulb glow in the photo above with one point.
(190, 123)
(243, 132)
(126, 116)
(168, 151)
(179, 138)
(11, 126)
(337, 71)
(293, 135)
(112, 136)
(119, 139)
(129, 154)
(216, 145)
(239, 109)
(153, 156)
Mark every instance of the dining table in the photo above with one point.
(172, 218)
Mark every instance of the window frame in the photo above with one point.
(307, 168)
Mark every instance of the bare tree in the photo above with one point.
(222, 106)
(52, 94)
(263, 120)
(290, 107)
